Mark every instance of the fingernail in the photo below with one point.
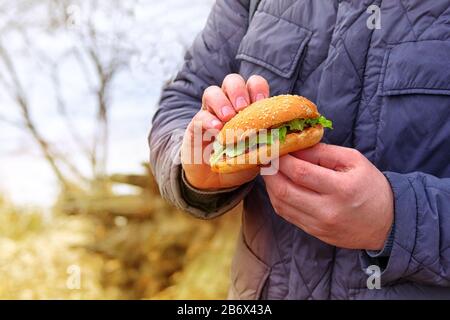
(260, 96)
(241, 103)
(216, 123)
(226, 111)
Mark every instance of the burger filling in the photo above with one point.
(278, 133)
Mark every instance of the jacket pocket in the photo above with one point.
(416, 68)
(248, 273)
(413, 108)
(273, 48)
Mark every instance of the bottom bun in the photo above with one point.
(262, 156)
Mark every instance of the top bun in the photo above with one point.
(266, 114)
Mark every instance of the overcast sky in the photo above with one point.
(24, 175)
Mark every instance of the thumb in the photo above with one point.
(330, 156)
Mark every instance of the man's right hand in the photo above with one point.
(221, 105)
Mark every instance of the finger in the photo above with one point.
(202, 128)
(258, 88)
(287, 194)
(307, 223)
(309, 175)
(310, 223)
(215, 100)
(236, 90)
(205, 120)
(238, 178)
(329, 156)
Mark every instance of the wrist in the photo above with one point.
(384, 235)
(195, 177)
(188, 185)
(387, 227)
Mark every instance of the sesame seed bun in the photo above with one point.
(294, 141)
(266, 114)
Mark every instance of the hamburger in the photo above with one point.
(286, 122)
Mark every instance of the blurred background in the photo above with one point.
(80, 215)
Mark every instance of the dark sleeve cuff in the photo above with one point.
(403, 234)
(214, 202)
(386, 251)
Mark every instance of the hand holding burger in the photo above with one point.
(332, 193)
(252, 136)
(335, 194)
(221, 104)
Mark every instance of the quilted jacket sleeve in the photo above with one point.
(421, 240)
(207, 62)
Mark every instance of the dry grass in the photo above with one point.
(166, 255)
(35, 257)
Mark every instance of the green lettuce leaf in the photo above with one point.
(296, 125)
(320, 120)
(277, 134)
(282, 132)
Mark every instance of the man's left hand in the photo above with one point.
(335, 194)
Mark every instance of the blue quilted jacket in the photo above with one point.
(386, 87)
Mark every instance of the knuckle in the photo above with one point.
(281, 192)
(322, 211)
(348, 190)
(330, 220)
(299, 173)
(321, 147)
(203, 115)
(355, 154)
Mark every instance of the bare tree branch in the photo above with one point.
(22, 102)
(62, 110)
(99, 54)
